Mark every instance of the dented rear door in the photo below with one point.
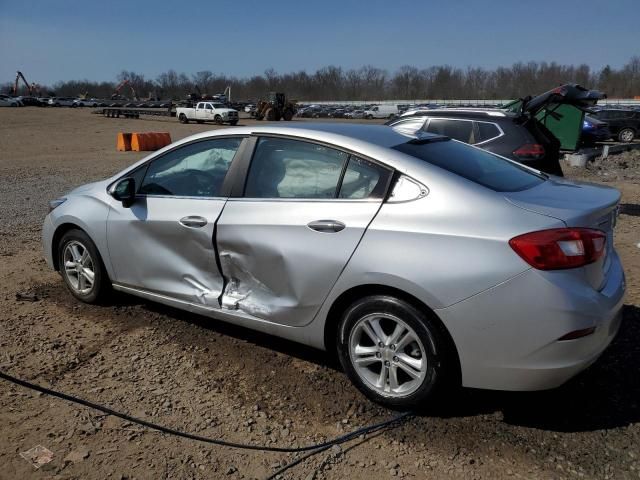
(280, 249)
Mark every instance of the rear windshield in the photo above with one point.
(473, 164)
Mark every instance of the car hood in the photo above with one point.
(89, 187)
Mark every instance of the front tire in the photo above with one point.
(626, 135)
(81, 267)
(395, 354)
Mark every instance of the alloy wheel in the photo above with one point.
(79, 267)
(387, 355)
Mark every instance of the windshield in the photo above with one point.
(474, 164)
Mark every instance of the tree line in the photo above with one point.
(373, 83)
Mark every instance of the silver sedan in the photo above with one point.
(421, 262)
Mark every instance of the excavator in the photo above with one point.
(116, 94)
(33, 89)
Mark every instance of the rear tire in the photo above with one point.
(183, 118)
(395, 354)
(626, 135)
(82, 268)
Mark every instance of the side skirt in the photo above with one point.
(236, 317)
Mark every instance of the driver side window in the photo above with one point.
(194, 170)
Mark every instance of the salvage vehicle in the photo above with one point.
(61, 102)
(423, 263)
(208, 112)
(530, 131)
(8, 101)
(624, 123)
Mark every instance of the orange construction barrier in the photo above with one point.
(149, 141)
(138, 143)
(124, 142)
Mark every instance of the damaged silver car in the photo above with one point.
(421, 262)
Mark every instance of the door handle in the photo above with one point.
(326, 226)
(193, 221)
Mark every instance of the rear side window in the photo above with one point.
(487, 131)
(457, 129)
(283, 168)
(364, 179)
(474, 164)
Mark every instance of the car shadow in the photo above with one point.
(606, 395)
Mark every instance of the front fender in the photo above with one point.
(87, 212)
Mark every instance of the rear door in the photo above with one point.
(284, 241)
(163, 243)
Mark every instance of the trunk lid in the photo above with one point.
(577, 204)
(561, 110)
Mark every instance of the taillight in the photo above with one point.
(530, 150)
(560, 248)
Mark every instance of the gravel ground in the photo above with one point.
(206, 377)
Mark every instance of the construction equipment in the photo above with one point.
(33, 89)
(116, 94)
(276, 107)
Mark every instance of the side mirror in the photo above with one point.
(125, 191)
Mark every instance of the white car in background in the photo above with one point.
(8, 101)
(61, 101)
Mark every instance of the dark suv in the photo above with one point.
(515, 133)
(624, 123)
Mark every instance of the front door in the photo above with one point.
(283, 245)
(163, 243)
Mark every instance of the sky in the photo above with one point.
(58, 40)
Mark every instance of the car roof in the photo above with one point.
(460, 112)
(379, 135)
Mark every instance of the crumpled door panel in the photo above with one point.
(277, 268)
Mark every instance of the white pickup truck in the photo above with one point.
(208, 112)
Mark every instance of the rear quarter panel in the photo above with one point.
(443, 248)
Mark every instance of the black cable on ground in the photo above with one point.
(316, 448)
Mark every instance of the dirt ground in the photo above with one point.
(217, 380)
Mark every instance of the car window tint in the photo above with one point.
(474, 164)
(457, 129)
(364, 179)
(195, 170)
(283, 168)
(487, 131)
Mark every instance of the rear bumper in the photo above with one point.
(507, 337)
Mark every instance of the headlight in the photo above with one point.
(56, 203)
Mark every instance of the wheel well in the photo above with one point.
(348, 297)
(60, 231)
